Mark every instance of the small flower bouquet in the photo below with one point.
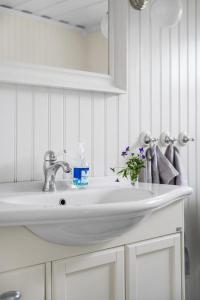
(134, 162)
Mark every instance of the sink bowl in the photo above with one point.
(102, 211)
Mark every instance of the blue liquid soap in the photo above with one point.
(80, 176)
(81, 168)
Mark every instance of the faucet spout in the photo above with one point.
(62, 164)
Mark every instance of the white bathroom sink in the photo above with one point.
(102, 211)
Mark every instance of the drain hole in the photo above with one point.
(62, 202)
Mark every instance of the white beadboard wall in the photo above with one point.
(164, 90)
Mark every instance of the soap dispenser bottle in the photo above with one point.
(81, 168)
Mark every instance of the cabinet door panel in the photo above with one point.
(29, 281)
(98, 276)
(154, 269)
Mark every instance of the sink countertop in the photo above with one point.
(98, 212)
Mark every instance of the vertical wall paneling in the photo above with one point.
(7, 132)
(192, 130)
(134, 76)
(183, 78)
(24, 133)
(156, 79)
(174, 95)
(123, 125)
(98, 134)
(174, 68)
(72, 129)
(41, 138)
(183, 112)
(86, 124)
(191, 84)
(165, 78)
(111, 133)
(56, 121)
(145, 64)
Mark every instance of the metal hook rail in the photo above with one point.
(146, 139)
(183, 139)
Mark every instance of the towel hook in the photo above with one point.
(146, 139)
(166, 139)
(184, 139)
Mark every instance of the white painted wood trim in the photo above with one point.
(116, 83)
(77, 264)
(182, 234)
(48, 281)
(132, 253)
(118, 43)
(28, 74)
(63, 268)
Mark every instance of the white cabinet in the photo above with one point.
(153, 269)
(98, 276)
(29, 281)
(147, 261)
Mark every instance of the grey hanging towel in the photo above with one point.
(154, 164)
(166, 170)
(172, 153)
(181, 179)
(157, 169)
(169, 154)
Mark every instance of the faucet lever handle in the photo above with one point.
(50, 156)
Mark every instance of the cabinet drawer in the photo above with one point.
(29, 281)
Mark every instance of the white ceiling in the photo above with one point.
(86, 13)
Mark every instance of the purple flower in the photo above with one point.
(141, 150)
(143, 156)
(127, 148)
(124, 153)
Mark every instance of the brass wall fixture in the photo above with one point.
(139, 4)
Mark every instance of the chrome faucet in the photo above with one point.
(50, 167)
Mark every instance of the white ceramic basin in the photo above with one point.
(98, 213)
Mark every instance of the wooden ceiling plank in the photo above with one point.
(67, 6)
(88, 17)
(87, 13)
(12, 3)
(38, 5)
